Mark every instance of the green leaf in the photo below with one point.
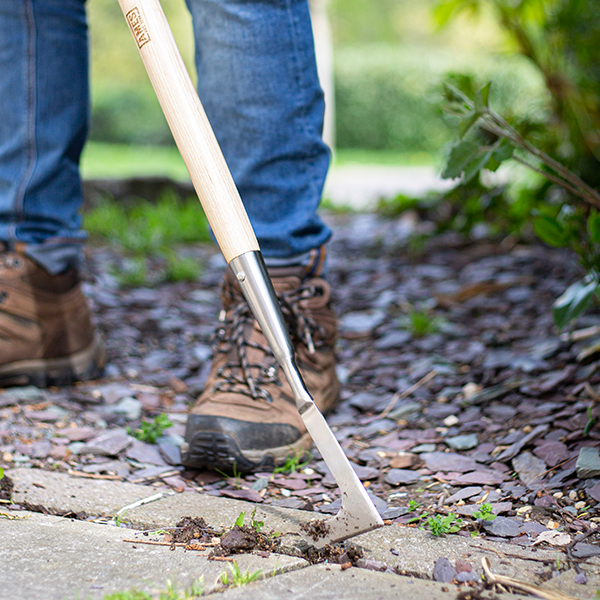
(240, 520)
(453, 94)
(593, 226)
(482, 96)
(575, 300)
(485, 94)
(460, 156)
(1, 473)
(468, 122)
(466, 158)
(550, 231)
(503, 150)
(456, 102)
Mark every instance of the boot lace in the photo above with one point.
(241, 376)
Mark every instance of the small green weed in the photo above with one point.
(236, 578)
(258, 525)
(413, 505)
(118, 518)
(485, 513)
(1, 473)
(129, 595)
(418, 518)
(292, 462)
(144, 227)
(591, 421)
(439, 526)
(134, 272)
(150, 431)
(422, 323)
(147, 229)
(196, 588)
(181, 268)
(240, 520)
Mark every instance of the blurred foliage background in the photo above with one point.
(398, 64)
(390, 58)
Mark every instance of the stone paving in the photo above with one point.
(53, 557)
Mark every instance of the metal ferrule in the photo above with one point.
(251, 273)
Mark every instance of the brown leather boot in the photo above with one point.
(246, 416)
(46, 334)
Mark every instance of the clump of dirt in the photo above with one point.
(6, 488)
(315, 529)
(192, 529)
(244, 539)
(337, 554)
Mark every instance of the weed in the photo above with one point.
(292, 462)
(236, 578)
(134, 273)
(418, 518)
(413, 505)
(150, 431)
(439, 526)
(146, 227)
(171, 592)
(421, 323)
(129, 595)
(240, 520)
(485, 513)
(583, 511)
(1, 473)
(591, 421)
(118, 518)
(258, 525)
(196, 587)
(181, 268)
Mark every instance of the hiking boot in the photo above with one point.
(246, 418)
(46, 333)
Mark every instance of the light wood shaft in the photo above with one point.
(190, 127)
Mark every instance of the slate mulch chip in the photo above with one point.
(489, 404)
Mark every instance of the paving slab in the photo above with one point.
(59, 493)
(323, 582)
(56, 558)
(217, 512)
(409, 550)
(413, 550)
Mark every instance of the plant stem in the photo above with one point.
(504, 129)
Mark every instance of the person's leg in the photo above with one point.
(257, 80)
(46, 335)
(43, 123)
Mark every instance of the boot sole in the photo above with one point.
(81, 366)
(219, 451)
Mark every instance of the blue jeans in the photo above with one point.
(257, 81)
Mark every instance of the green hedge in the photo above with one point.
(128, 115)
(387, 98)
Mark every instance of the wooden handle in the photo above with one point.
(190, 127)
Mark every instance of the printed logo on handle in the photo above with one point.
(138, 26)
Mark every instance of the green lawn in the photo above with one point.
(114, 161)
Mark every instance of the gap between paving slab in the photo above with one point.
(322, 582)
(414, 550)
(54, 558)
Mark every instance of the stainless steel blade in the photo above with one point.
(357, 513)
